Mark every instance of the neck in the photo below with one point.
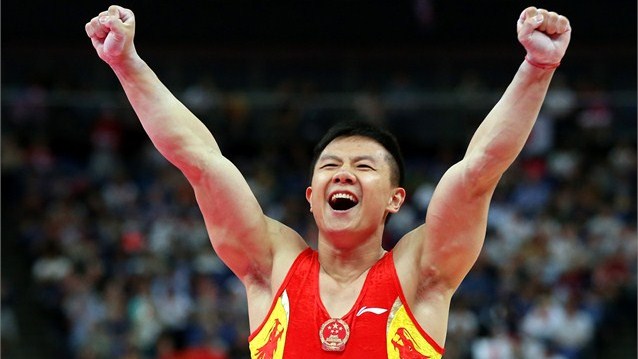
(345, 260)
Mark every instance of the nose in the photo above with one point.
(344, 176)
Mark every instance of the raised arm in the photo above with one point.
(449, 242)
(240, 233)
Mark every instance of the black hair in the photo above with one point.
(368, 130)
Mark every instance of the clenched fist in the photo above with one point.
(545, 35)
(112, 33)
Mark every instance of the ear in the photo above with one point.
(309, 196)
(396, 200)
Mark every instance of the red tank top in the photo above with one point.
(379, 325)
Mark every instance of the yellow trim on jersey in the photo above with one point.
(269, 342)
(403, 339)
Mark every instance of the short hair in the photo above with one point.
(368, 130)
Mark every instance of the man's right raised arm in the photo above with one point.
(174, 130)
(240, 233)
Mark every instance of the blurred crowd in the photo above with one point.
(121, 265)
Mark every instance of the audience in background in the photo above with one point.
(123, 268)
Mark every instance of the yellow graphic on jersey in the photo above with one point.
(270, 340)
(404, 341)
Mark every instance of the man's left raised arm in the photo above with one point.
(502, 135)
(454, 231)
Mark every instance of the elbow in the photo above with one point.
(192, 161)
(483, 171)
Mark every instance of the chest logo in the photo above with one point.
(373, 310)
(334, 334)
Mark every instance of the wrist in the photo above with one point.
(550, 66)
(128, 66)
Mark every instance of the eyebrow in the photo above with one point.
(354, 159)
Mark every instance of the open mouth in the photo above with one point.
(342, 201)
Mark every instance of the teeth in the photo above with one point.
(343, 195)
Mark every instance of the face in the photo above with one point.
(351, 188)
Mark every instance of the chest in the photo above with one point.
(339, 299)
(369, 320)
(325, 315)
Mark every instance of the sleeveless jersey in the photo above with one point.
(379, 325)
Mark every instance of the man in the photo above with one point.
(350, 298)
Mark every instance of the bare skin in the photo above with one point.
(431, 260)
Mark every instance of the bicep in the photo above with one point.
(455, 224)
(239, 231)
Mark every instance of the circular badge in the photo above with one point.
(334, 334)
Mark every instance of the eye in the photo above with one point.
(365, 166)
(328, 166)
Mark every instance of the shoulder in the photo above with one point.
(416, 269)
(286, 246)
(262, 291)
(424, 289)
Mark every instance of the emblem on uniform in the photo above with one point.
(334, 334)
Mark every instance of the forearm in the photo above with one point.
(174, 130)
(502, 135)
